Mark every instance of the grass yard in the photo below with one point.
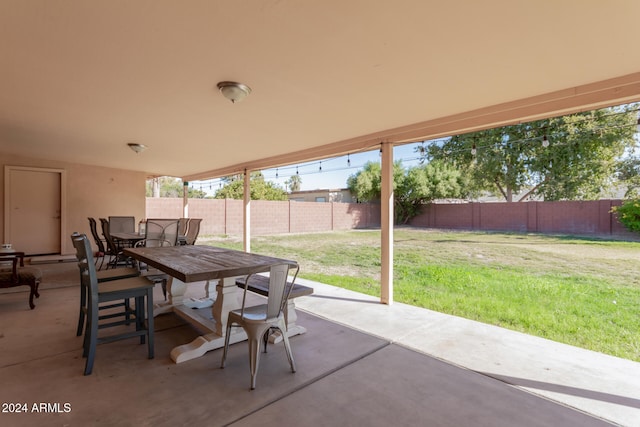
(583, 292)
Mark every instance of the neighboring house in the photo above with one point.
(341, 195)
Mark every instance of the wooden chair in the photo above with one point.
(258, 321)
(105, 276)
(20, 275)
(137, 288)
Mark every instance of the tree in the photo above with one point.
(629, 176)
(260, 189)
(293, 183)
(629, 214)
(412, 187)
(173, 187)
(571, 157)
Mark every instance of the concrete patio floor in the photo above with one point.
(360, 363)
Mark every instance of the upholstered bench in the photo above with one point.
(20, 276)
(260, 285)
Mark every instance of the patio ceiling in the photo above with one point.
(79, 80)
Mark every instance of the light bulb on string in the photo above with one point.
(276, 173)
(320, 167)
(348, 161)
(474, 151)
(545, 141)
(297, 171)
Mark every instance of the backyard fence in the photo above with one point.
(224, 216)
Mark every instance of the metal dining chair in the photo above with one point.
(258, 321)
(192, 231)
(158, 232)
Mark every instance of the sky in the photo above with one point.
(326, 174)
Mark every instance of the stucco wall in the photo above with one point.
(91, 191)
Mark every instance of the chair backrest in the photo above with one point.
(193, 230)
(88, 277)
(111, 244)
(182, 226)
(122, 224)
(96, 236)
(277, 289)
(161, 232)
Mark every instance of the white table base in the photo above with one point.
(228, 297)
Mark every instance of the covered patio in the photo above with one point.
(360, 363)
(82, 80)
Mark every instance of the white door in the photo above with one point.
(33, 209)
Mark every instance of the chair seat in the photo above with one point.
(257, 313)
(114, 290)
(116, 273)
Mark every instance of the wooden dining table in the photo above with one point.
(199, 263)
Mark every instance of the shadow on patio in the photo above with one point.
(360, 363)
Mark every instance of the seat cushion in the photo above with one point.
(26, 276)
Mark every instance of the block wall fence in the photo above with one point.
(224, 216)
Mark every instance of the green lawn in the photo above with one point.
(583, 292)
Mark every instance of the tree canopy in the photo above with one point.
(572, 157)
(172, 187)
(293, 183)
(260, 189)
(412, 187)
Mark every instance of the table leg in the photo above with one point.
(175, 296)
(227, 299)
(292, 327)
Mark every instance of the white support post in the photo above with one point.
(386, 214)
(246, 229)
(185, 199)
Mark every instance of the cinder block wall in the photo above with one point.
(224, 217)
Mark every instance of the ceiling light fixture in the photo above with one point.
(138, 148)
(234, 91)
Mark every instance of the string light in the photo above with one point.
(558, 134)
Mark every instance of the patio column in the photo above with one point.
(185, 199)
(386, 225)
(246, 212)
